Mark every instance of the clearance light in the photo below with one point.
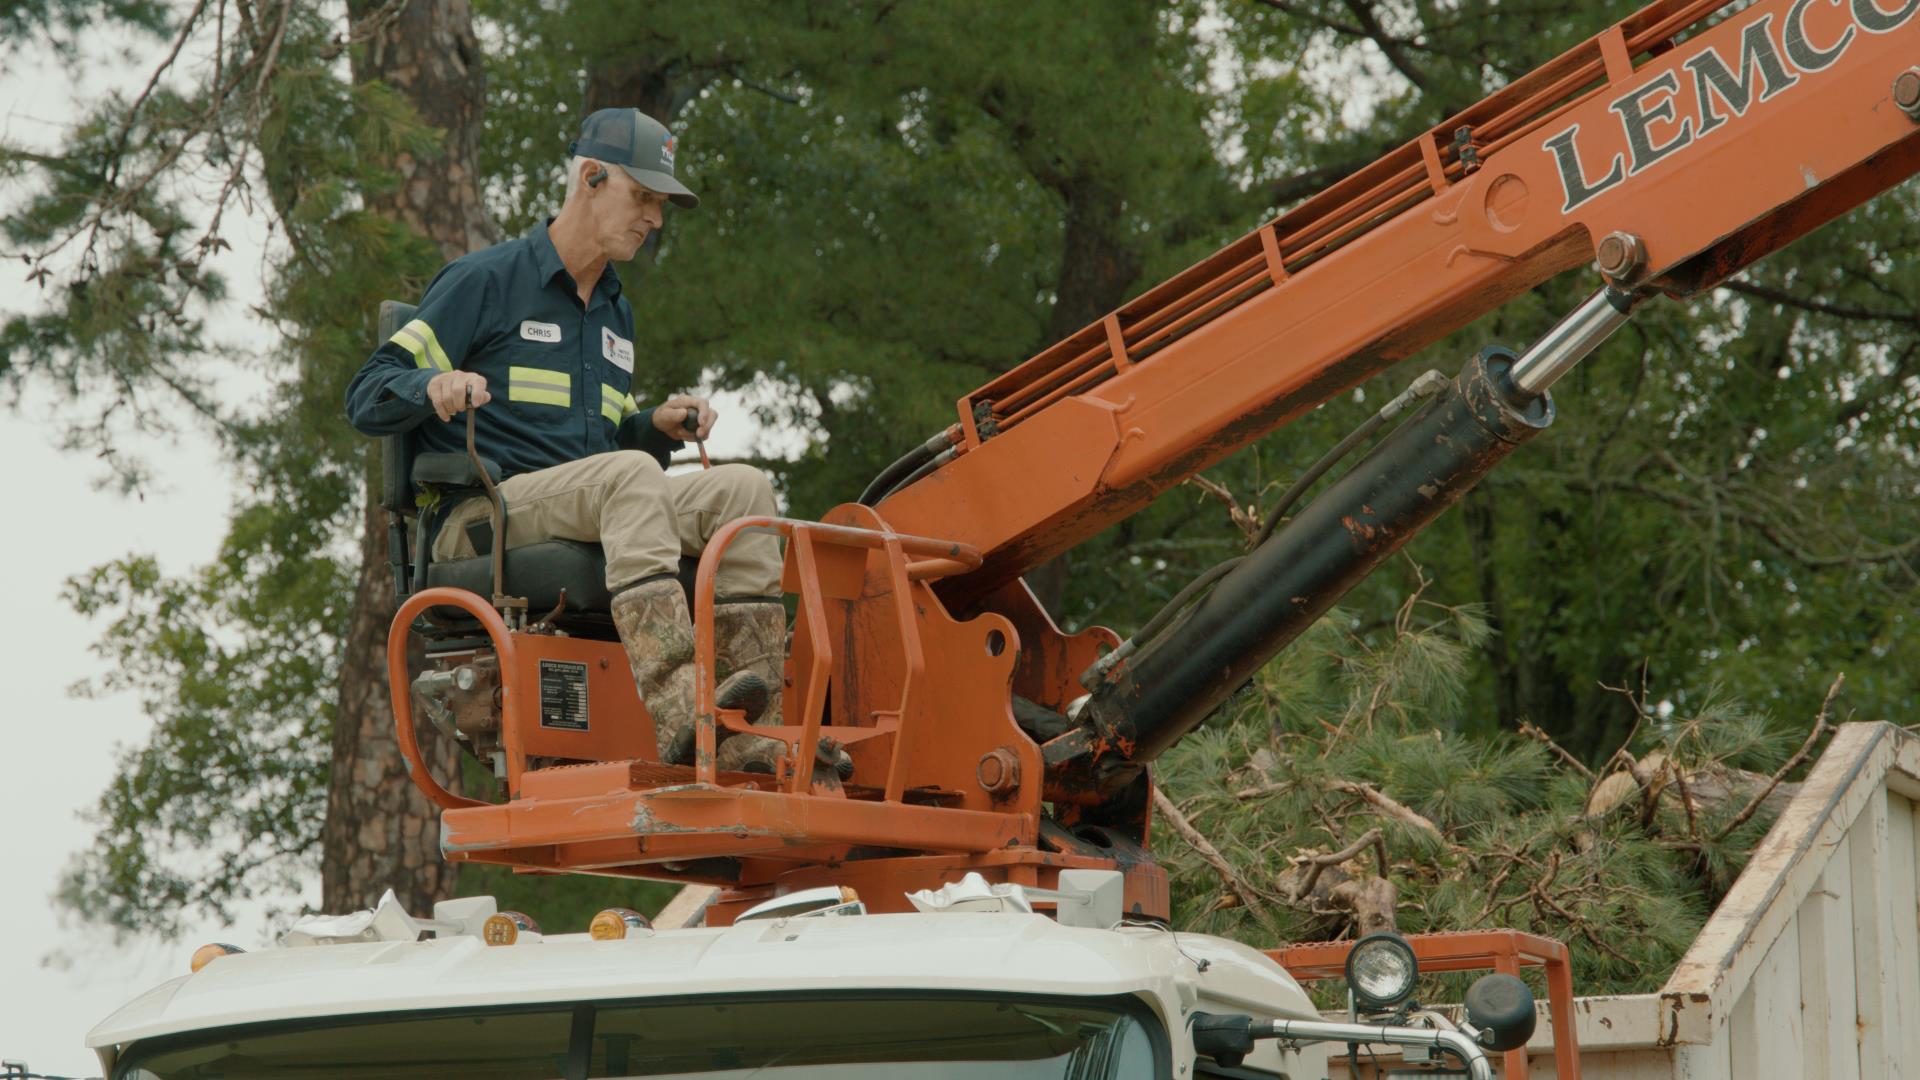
(505, 927)
(615, 923)
(208, 953)
(822, 900)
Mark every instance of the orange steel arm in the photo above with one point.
(1699, 146)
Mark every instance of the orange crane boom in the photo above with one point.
(1681, 148)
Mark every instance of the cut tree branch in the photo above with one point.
(1209, 854)
(1391, 807)
(1541, 737)
(1820, 727)
(1317, 864)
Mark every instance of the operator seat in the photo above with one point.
(419, 488)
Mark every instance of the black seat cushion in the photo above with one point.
(538, 572)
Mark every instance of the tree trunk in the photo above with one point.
(1096, 269)
(380, 833)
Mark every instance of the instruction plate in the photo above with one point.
(563, 695)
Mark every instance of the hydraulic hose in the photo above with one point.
(905, 470)
(1427, 385)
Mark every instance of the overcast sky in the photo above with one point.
(57, 981)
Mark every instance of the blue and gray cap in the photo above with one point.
(638, 144)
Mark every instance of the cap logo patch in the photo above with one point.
(667, 146)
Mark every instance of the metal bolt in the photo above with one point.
(1621, 256)
(998, 772)
(1906, 92)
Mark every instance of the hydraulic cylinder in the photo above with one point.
(1174, 682)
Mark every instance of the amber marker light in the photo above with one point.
(505, 927)
(211, 951)
(615, 923)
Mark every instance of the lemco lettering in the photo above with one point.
(1772, 61)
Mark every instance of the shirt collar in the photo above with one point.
(546, 260)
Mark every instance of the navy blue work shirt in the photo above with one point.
(560, 372)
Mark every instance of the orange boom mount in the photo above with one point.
(1671, 150)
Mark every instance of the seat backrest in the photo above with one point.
(396, 451)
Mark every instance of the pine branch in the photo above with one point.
(1541, 737)
(1209, 854)
(1391, 807)
(1820, 727)
(1317, 864)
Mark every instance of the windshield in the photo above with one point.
(911, 1036)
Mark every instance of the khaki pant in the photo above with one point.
(644, 518)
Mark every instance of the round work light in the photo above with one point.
(1381, 971)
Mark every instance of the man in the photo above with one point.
(536, 334)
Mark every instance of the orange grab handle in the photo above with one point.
(397, 684)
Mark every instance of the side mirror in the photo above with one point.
(1227, 1038)
(1500, 1009)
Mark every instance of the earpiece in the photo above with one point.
(597, 178)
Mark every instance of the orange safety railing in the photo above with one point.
(908, 558)
(935, 558)
(401, 688)
(1503, 951)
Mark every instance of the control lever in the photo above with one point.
(692, 424)
(507, 604)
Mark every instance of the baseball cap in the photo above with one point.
(637, 143)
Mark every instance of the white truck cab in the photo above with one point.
(942, 996)
(972, 984)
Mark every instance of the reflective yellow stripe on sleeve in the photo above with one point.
(417, 338)
(614, 405)
(540, 386)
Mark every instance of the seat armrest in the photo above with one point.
(450, 470)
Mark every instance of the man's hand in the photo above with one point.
(671, 418)
(448, 392)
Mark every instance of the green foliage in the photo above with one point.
(1494, 831)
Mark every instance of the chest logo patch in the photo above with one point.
(540, 331)
(618, 350)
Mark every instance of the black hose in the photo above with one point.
(1425, 386)
(1327, 461)
(913, 477)
(1181, 599)
(890, 477)
(1165, 617)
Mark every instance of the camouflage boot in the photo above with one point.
(653, 624)
(750, 651)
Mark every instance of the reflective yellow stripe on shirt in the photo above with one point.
(417, 338)
(614, 405)
(540, 386)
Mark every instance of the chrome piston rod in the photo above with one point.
(1571, 340)
(1457, 1042)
